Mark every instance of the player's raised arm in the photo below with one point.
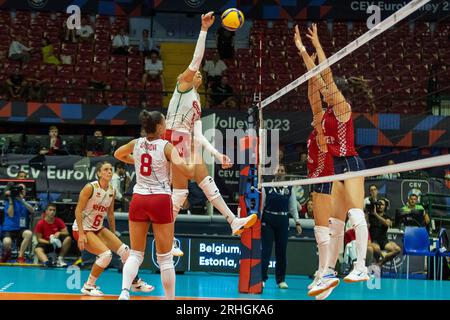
(124, 153)
(314, 37)
(185, 80)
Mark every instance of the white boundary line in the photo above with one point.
(400, 167)
(411, 7)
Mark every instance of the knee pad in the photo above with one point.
(336, 227)
(322, 235)
(179, 196)
(356, 218)
(209, 188)
(104, 259)
(123, 252)
(165, 261)
(137, 255)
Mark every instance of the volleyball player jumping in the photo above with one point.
(183, 119)
(348, 195)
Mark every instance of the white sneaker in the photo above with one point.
(176, 251)
(357, 275)
(326, 281)
(316, 278)
(324, 294)
(60, 262)
(238, 225)
(124, 295)
(141, 286)
(93, 291)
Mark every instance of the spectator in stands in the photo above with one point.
(390, 176)
(16, 85)
(47, 53)
(299, 167)
(18, 51)
(121, 182)
(85, 33)
(379, 223)
(16, 222)
(214, 69)
(121, 43)
(308, 213)
(277, 204)
(221, 94)
(146, 44)
(52, 236)
(97, 147)
(371, 200)
(153, 68)
(55, 142)
(225, 43)
(413, 205)
(22, 175)
(37, 87)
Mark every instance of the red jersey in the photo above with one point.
(340, 135)
(47, 229)
(320, 164)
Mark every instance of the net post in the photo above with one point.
(250, 273)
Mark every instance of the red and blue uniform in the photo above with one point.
(320, 164)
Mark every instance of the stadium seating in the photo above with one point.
(410, 52)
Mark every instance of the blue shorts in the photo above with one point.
(347, 164)
(324, 188)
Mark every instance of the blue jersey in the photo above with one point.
(277, 199)
(19, 219)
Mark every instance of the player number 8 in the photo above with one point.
(146, 165)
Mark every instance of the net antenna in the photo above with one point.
(398, 16)
(261, 140)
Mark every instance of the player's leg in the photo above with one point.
(138, 242)
(354, 195)
(179, 195)
(163, 241)
(322, 212)
(328, 278)
(209, 187)
(96, 246)
(392, 249)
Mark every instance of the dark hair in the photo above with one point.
(99, 166)
(153, 51)
(119, 165)
(51, 204)
(150, 119)
(413, 194)
(21, 171)
(373, 185)
(47, 40)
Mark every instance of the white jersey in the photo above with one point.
(152, 167)
(96, 208)
(184, 109)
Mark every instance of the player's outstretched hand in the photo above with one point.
(322, 143)
(298, 39)
(207, 20)
(313, 35)
(225, 161)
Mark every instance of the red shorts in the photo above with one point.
(75, 233)
(156, 208)
(180, 140)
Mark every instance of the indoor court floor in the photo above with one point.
(35, 283)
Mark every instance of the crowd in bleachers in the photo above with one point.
(97, 64)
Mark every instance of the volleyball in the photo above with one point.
(232, 19)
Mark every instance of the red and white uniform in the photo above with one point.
(96, 208)
(320, 164)
(340, 135)
(151, 194)
(184, 109)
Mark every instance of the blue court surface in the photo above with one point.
(38, 283)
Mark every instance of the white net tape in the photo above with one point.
(369, 35)
(396, 168)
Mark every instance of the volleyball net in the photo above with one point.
(395, 76)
